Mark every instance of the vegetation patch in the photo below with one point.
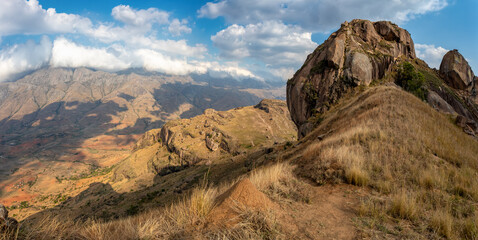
(411, 80)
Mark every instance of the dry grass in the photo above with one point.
(252, 225)
(357, 176)
(279, 183)
(404, 206)
(185, 219)
(470, 228)
(390, 140)
(442, 223)
(267, 177)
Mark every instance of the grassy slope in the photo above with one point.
(421, 168)
(417, 172)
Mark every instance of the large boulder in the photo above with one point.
(456, 72)
(358, 53)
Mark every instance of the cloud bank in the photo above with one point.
(24, 57)
(318, 15)
(129, 42)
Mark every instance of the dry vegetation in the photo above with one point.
(187, 219)
(422, 168)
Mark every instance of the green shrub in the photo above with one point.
(411, 80)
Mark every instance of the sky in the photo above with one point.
(266, 40)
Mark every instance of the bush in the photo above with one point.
(411, 80)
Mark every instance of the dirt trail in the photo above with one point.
(329, 215)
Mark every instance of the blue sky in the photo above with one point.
(266, 39)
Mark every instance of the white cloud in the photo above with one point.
(28, 17)
(179, 27)
(430, 54)
(174, 47)
(228, 69)
(283, 73)
(271, 42)
(68, 54)
(139, 18)
(129, 42)
(317, 15)
(24, 57)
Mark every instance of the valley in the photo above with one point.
(63, 124)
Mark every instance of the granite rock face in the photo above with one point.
(456, 71)
(358, 53)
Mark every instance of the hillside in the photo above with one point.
(383, 147)
(349, 167)
(58, 124)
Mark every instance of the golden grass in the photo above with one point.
(404, 206)
(470, 228)
(390, 140)
(267, 177)
(185, 219)
(442, 223)
(357, 176)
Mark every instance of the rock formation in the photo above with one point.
(148, 139)
(456, 72)
(7, 224)
(358, 53)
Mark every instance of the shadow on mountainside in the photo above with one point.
(54, 131)
(173, 95)
(101, 201)
(70, 140)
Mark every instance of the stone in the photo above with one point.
(358, 53)
(149, 138)
(3, 214)
(8, 225)
(212, 141)
(359, 68)
(439, 103)
(456, 71)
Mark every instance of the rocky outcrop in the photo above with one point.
(8, 225)
(149, 138)
(456, 71)
(439, 103)
(213, 140)
(358, 53)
